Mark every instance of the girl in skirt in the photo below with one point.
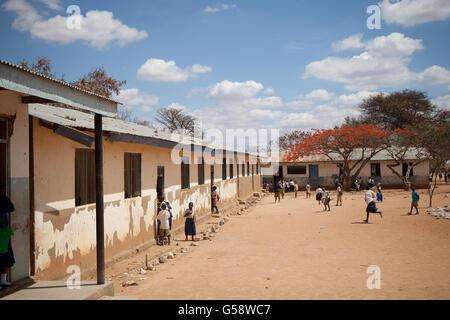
(189, 225)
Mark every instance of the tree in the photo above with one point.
(397, 110)
(289, 139)
(97, 81)
(43, 66)
(349, 147)
(174, 119)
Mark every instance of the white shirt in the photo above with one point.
(369, 195)
(291, 183)
(296, 187)
(319, 190)
(190, 213)
(163, 217)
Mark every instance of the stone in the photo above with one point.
(193, 244)
(440, 212)
(162, 259)
(140, 279)
(221, 222)
(142, 271)
(129, 283)
(155, 262)
(184, 250)
(151, 267)
(170, 255)
(239, 212)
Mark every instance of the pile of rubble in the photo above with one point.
(440, 212)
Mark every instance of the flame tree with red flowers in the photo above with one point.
(350, 147)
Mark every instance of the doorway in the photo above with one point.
(313, 175)
(212, 181)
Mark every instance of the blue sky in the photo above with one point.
(241, 64)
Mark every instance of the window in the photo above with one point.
(201, 171)
(84, 176)
(296, 169)
(248, 168)
(132, 175)
(253, 169)
(405, 168)
(231, 169)
(185, 177)
(160, 183)
(224, 169)
(243, 169)
(375, 170)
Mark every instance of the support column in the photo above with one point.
(100, 227)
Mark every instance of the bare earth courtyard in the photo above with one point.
(294, 250)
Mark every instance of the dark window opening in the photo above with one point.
(84, 176)
(185, 178)
(160, 183)
(224, 169)
(243, 169)
(231, 169)
(296, 169)
(132, 175)
(405, 169)
(201, 171)
(375, 170)
(248, 168)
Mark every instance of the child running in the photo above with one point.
(415, 201)
(369, 196)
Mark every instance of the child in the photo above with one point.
(415, 201)
(214, 198)
(308, 190)
(319, 194)
(339, 194)
(277, 189)
(189, 225)
(369, 196)
(379, 194)
(6, 258)
(164, 227)
(326, 199)
(283, 186)
(295, 188)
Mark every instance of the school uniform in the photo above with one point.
(189, 225)
(164, 226)
(369, 196)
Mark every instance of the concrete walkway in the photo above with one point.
(58, 290)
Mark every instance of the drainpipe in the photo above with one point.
(99, 210)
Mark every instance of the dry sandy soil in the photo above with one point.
(295, 250)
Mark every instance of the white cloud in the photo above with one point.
(435, 75)
(228, 90)
(219, 7)
(442, 102)
(52, 4)
(98, 28)
(352, 42)
(412, 12)
(383, 63)
(269, 91)
(131, 98)
(300, 104)
(167, 71)
(319, 94)
(176, 105)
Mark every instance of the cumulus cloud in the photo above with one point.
(168, 71)
(352, 42)
(412, 12)
(228, 90)
(435, 75)
(131, 98)
(269, 91)
(52, 4)
(442, 102)
(98, 28)
(383, 63)
(219, 7)
(319, 94)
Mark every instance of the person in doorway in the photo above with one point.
(308, 190)
(415, 201)
(319, 194)
(277, 190)
(295, 189)
(369, 197)
(189, 224)
(6, 253)
(164, 227)
(339, 194)
(214, 199)
(326, 199)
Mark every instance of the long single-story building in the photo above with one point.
(48, 162)
(320, 170)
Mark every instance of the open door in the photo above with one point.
(212, 182)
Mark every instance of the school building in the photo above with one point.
(320, 170)
(51, 159)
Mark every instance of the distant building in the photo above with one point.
(320, 170)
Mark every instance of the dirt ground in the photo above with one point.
(295, 250)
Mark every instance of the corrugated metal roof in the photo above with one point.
(56, 80)
(83, 120)
(356, 155)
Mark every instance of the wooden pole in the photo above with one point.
(100, 228)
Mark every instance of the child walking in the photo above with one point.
(189, 225)
(415, 201)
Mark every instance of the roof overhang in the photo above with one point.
(27, 83)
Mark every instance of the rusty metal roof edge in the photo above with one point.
(57, 81)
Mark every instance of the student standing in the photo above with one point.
(189, 225)
(6, 254)
(319, 194)
(283, 186)
(164, 226)
(379, 194)
(308, 190)
(415, 201)
(326, 199)
(214, 199)
(339, 194)
(277, 189)
(295, 188)
(369, 196)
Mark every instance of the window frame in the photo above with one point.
(132, 175)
